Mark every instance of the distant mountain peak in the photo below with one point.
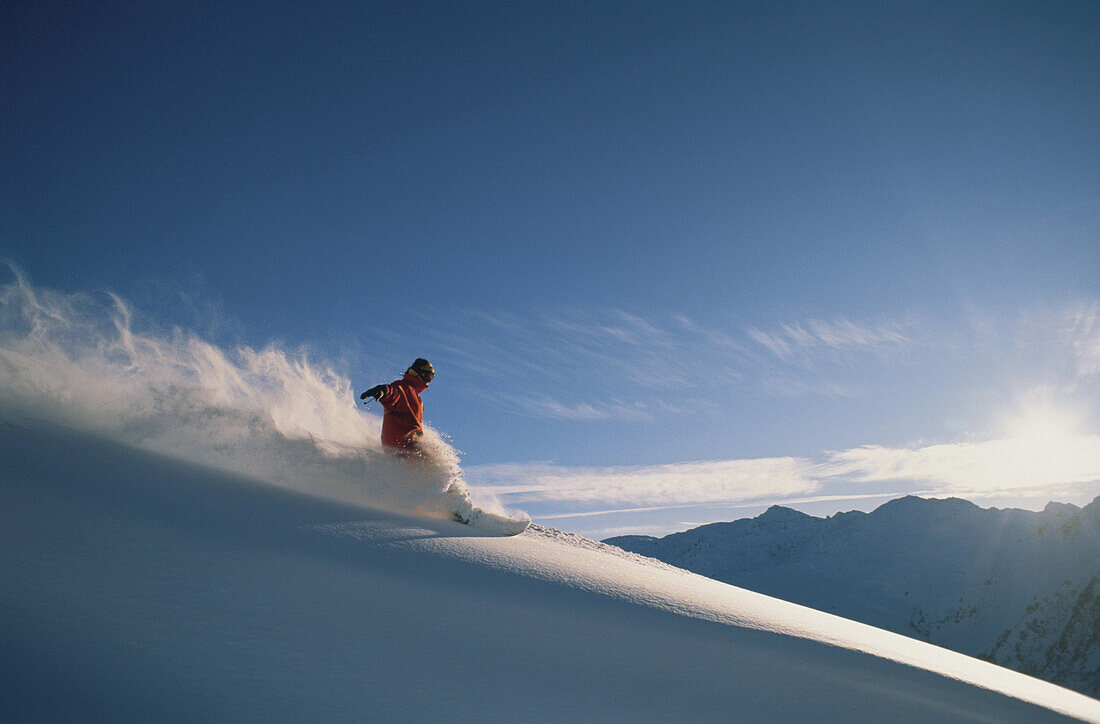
(914, 503)
(1053, 507)
(778, 512)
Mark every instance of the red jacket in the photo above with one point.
(403, 423)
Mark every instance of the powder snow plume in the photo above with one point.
(78, 360)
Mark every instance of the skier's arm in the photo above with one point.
(377, 392)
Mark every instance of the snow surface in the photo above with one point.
(139, 586)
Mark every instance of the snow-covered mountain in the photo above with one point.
(1015, 587)
(136, 586)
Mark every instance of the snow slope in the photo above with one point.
(139, 586)
(1016, 587)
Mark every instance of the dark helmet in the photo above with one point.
(423, 369)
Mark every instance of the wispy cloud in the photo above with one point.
(599, 365)
(578, 411)
(974, 468)
(1081, 330)
(1057, 342)
(989, 466)
(682, 483)
(594, 365)
(803, 342)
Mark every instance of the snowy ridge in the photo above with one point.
(1011, 586)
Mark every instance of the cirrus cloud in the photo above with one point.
(673, 484)
(976, 469)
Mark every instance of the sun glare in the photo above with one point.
(1046, 445)
(1043, 425)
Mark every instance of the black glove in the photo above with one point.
(376, 392)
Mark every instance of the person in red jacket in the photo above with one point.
(403, 423)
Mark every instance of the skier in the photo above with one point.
(403, 423)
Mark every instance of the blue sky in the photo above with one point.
(629, 235)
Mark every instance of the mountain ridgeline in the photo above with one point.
(1015, 587)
